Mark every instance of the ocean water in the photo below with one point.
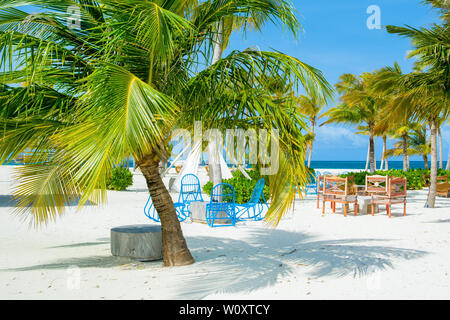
(362, 164)
(333, 164)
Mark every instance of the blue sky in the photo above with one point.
(336, 40)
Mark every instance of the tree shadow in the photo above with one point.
(242, 266)
(83, 262)
(440, 221)
(82, 244)
(8, 201)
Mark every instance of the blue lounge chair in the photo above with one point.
(252, 210)
(190, 191)
(150, 211)
(220, 211)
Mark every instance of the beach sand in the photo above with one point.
(309, 256)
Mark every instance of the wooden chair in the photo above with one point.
(440, 179)
(443, 189)
(320, 184)
(388, 191)
(339, 190)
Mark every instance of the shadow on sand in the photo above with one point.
(232, 265)
(8, 201)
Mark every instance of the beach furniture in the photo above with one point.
(443, 189)
(142, 242)
(388, 191)
(253, 209)
(311, 187)
(339, 190)
(190, 191)
(320, 183)
(150, 211)
(440, 179)
(221, 210)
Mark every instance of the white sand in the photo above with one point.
(309, 256)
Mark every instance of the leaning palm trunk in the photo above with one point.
(433, 175)
(383, 156)
(311, 146)
(405, 152)
(372, 153)
(425, 161)
(175, 250)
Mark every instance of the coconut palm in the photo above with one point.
(358, 107)
(426, 93)
(119, 85)
(310, 107)
(417, 143)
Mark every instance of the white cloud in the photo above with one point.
(339, 137)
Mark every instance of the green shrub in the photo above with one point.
(243, 187)
(120, 179)
(414, 177)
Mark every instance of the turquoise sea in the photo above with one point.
(362, 164)
(340, 164)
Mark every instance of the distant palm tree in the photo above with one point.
(426, 93)
(359, 107)
(122, 83)
(417, 144)
(310, 107)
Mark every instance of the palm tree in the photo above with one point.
(426, 92)
(222, 32)
(122, 83)
(358, 106)
(311, 107)
(417, 144)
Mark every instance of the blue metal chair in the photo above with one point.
(311, 187)
(220, 211)
(190, 191)
(252, 210)
(150, 211)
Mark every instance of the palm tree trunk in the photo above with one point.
(175, 250)
(425, 161)
(311, 145)
(433, 175)
(441, 165)
(215, 170)
(372, 153)
(448, 161)
(405, 152)
(386, 161)
(383, 160)
(368, 157)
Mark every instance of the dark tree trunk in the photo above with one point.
(425, 161)
(175, 250)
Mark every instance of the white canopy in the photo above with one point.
(192, 163)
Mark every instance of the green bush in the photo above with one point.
(243, 187)
(414, 177)
(120, 179)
